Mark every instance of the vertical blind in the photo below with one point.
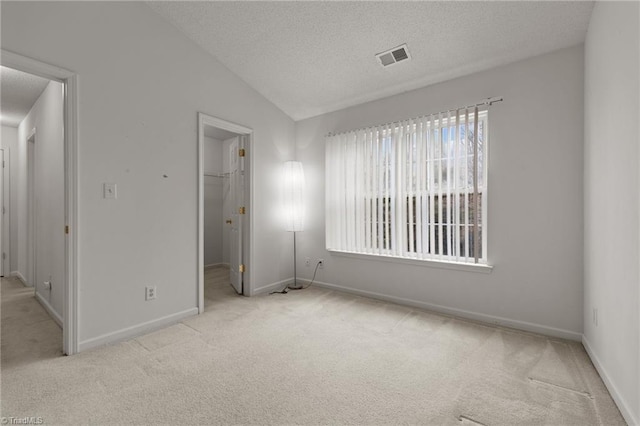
(414, 189)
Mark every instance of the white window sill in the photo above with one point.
(458, 266)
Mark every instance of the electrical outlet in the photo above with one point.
(150, 293)
(307, 261)
(595, 316)
(321, 262)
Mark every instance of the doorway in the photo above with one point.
(65, 284)
(224, 213)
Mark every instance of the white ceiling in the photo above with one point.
(18, 92)
(217, 133)
(311, 57)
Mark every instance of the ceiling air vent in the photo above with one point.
(393, 56)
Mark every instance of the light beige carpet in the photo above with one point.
(309, 357)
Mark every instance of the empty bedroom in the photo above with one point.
(320, 212)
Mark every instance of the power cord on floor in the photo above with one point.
(287, 288)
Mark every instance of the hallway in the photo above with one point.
(28, 332)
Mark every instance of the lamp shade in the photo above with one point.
(293, 181)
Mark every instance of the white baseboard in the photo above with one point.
(272, 287)
(20, 277)
(212, 265)
(136, 330)
(623, 406)
(489, 319)
(47, 307)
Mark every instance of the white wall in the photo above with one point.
(612, 200)
(142, 84)
(9, 143)
(535, 198)
(17, 196)
(213, 201)
(46, 117)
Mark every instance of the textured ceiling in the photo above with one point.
(18, 92)
(309, 58)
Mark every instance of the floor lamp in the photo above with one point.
(294, 206)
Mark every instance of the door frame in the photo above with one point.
(32, 208)
(247, 233)
(3, 221)
(70, 83)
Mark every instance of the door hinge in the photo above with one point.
(4, 256)
(3, 210)
(241, 152)
(241, 268)
(241, 210)
(66, 229)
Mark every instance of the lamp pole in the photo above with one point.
(295, 275)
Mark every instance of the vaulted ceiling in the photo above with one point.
(311, 57)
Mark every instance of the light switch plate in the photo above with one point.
(109, 190)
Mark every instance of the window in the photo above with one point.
(415, 189)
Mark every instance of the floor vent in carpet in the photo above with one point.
(469, 420)
(542, 382)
